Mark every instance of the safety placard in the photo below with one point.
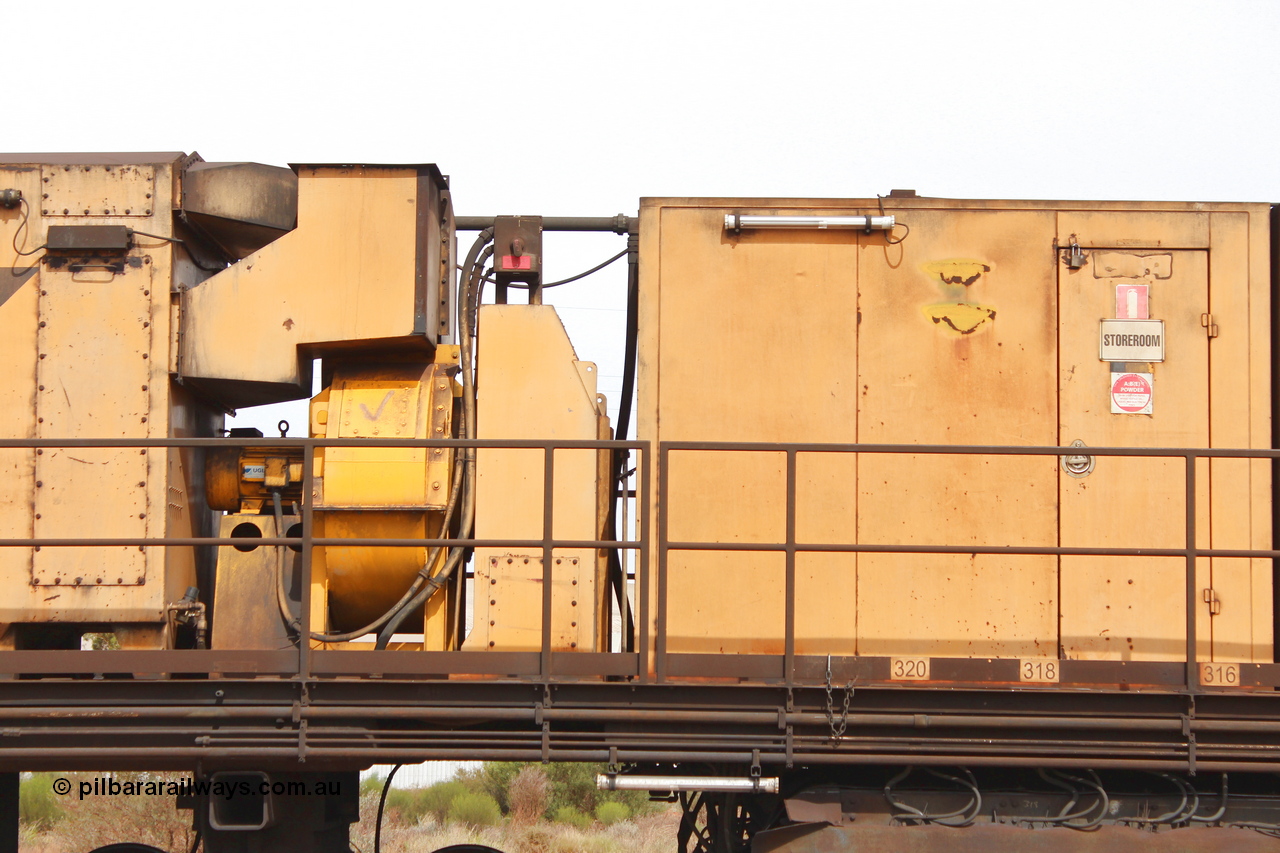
(1131, 340)
(1131, 393)
(1132, 302)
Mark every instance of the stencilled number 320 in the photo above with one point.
(909, 669)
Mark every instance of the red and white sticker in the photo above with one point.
(1130, 393)
(1132, 302)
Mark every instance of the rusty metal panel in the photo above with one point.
(97, 190)
(89, 321)
(242, 206)
(960, 334)
(956, 343)
(1132, 608)
(245, 598)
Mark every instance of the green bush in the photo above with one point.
(612, 812)
(493, 778)
(407, 803)
(475, 810)
(372, 785)
(38, 805)
(572, 816)
(529, 795)
(436, 799)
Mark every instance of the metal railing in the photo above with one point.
(790, 668)
(305, 663)
(652, 661)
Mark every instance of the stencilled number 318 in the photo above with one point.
(1038, 670)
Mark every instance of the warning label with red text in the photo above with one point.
(1131, 393)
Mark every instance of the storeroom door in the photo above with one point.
(1134, 372)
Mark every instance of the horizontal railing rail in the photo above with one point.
(788, 667)
(651, 662)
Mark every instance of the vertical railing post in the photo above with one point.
(548, 518)
(643, 533)
(789, 643)
(664, 498)
(308, 519)
(1193, 674)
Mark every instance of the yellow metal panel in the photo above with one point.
(17, 413)
(1230, 380)
(980, 365)
(82, 191)
(186, 513)
(388, 401)
(105, 345)
(532, 385)
(364, 582)
(732, 311)
(1261, 352)
(89, 319)
(357, 236)
(1171, 229)
(512, 607)
(956, 346)
(1132, 608)
(826, 583)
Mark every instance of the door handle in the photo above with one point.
(1077, 464)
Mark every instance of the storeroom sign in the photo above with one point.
(1132, 340)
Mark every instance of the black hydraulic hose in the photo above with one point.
(618, 488)
(632, 333)
(382, 802)
(572, 278)
(282, 597)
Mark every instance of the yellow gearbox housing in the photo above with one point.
(382, 492)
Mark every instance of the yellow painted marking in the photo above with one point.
(964, 271)
(962, 318)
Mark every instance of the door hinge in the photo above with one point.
(1211, 599)
(1210, 327)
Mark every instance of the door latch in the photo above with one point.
(1077, 464)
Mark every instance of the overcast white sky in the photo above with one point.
(565, 108)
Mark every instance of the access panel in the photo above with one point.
(1131, 608)
(956, 345)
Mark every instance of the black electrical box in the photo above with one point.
(517, 250)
